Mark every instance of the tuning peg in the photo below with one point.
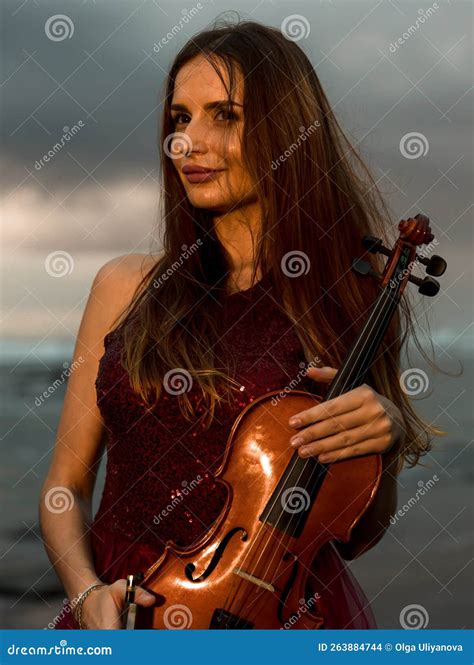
(371, 243)
(426, 286)
(375, 245)
(364, 268)
(435, 265)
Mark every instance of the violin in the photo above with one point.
(251, 568)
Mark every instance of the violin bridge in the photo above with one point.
(254, 580)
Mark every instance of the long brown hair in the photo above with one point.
(318, 200)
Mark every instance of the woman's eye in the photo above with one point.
(177, 117)
(230, 114)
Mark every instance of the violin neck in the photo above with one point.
(358, 360)
(307, 475)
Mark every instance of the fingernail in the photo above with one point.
(294, 422)
(297, 441)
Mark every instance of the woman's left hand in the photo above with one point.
(357, 422)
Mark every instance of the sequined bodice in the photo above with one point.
(159, 480)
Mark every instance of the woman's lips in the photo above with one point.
(201, 177)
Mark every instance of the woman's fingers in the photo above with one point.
(328, 427)
(369, 446)
(332, 407)
(345, 440)
(143, 597)
(322, 374)
(357, 422)
(361, 396)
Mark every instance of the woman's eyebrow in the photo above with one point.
(207, 107)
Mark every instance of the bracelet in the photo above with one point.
(80, 600)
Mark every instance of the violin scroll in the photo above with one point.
(414, 232)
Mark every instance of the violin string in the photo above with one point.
(369, 323)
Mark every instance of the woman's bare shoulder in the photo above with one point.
(116, 283)
(128, 268)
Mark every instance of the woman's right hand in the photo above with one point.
(103, 606)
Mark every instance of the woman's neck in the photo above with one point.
(238, 231)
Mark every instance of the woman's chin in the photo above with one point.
(209, 202)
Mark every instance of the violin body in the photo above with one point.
(244, 573)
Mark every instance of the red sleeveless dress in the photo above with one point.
(152, 457)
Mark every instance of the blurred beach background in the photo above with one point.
(97, 198)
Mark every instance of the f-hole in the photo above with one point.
(288, 585)
(190, 567)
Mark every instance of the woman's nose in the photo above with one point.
(197, 137)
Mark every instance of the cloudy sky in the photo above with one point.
(95, 68)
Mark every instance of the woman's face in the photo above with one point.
(212, 134)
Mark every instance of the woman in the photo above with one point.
(263, 216)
